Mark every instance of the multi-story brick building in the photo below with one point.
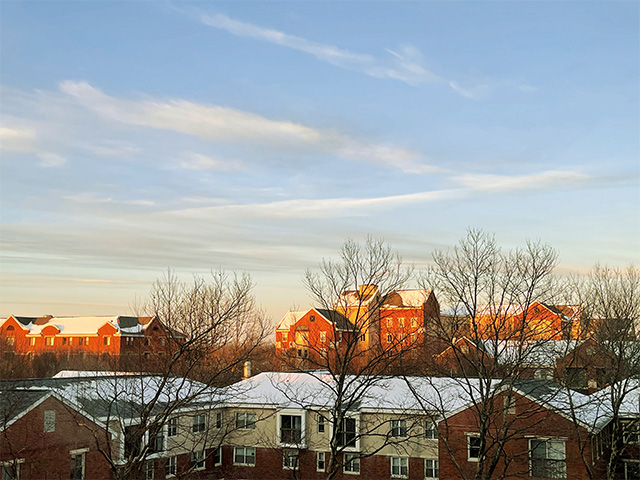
(399, 320)
(112, 335)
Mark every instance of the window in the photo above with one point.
(347, 433)
(11, 469)
(197, 460)
(106, 341)
(631, 470)
(199, 423)
(323, 352)
(290, 459)
(290, 429)
(631, 432)
(351, 463)
(218, 419)
(10, 328)
(129, 341)
(64, 340)
(401, 322)
(49, 421)
(148, 471)
(321, 423)
(285, 337)
(217, 457)
(303, 353)
(162, 341)
(11, 341)
(363, 337)
(323, 337)
(132, 441)
(389, 338)
(171, 467)
(156, 445)
(320, 462)
(86, 341)
(48, 341)
(172, 427)
(398, 428)
(32, 341)
(147, 341)
(431, 468)
(312, 318)
(77, 466)
(389, 322)
(473, 447)
(430, 430)
(399, 467)
(244, 456)
(547, 458)
(414, 322)
(246, 421)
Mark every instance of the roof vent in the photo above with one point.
(247, 370)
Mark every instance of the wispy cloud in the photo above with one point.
(197, 161)
(51, 160)
(229, 125)
(405, 64)
(318, 208)
(550, 179)
(90, 198)
(17, 139)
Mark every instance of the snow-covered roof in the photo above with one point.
(290, 318)
(407, 298)
(530, 354)
(89, 325)
(442, 396)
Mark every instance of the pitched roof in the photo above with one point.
(290, 318)
(414, 298)
(339, 320)
(88, 325)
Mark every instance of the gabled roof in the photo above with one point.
(289, 319)
(414, 298)
(339, 320)
(88, 325)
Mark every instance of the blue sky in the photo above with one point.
(258, 136)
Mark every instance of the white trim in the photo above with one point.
(78, 451)
(303, 425)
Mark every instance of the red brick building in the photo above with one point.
(113, 335)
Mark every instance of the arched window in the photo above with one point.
(10, 328)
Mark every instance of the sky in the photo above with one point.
(137, 136)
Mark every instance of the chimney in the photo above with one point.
(247, 370)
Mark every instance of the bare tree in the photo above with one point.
(349, 293)
(610, 358)
(212, 328)
(487, 341)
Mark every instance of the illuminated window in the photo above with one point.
(48, 341)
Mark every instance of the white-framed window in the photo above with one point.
(11, 341)
(157, 442)
(323, 352)
(199, 423)
(321, 423)
(347, 435)
(217, 457)
(245, 420)
(389, 322)
(291, 428)
(321, 462)
(430, 430)
(10, 469)
(49, 421)
(400, 467)
(323, 337)
(48, 341)
(474, 444)
(547, 458)
(401, 322)
(398, 428)
(171, 467)
(631, 432)
(77, 464)
(431, 468)
(631, 469)
(218, 419)
(172, 427)
(244, 456)
(289, 459)
(149, 471)
(197, 460)
(351, 463)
